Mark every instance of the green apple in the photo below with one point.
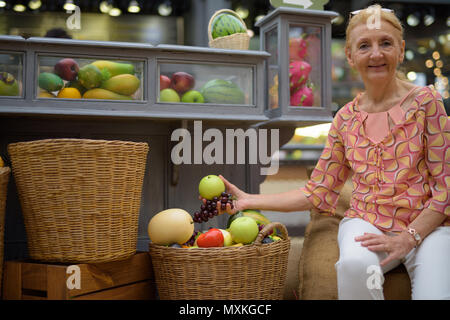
(168, 95)
(227, 239)
(244, 230)
(211, 186)
(192, 96)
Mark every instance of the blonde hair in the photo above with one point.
(363, 15)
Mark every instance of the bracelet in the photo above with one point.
(415, 235)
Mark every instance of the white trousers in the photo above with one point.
(359, 275)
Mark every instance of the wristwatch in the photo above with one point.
(415, 235)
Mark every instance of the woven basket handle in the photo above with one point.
(268, 229)
(219, 12)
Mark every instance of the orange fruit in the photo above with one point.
(69, 93)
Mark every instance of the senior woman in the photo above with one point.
(394, 138)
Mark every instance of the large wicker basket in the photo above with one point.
(4, 178)
(80, 198)
(236, 41)
(250, 272)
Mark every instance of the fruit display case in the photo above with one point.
(210, 83)
(122, 79)
(12, 68)
(299, 68)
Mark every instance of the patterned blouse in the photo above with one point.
(394, 178)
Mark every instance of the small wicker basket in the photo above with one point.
(236, 41)
(4, 178)
(80, 198)
(250, 272)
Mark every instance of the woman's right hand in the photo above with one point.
(239, 198)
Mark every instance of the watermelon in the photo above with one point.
(226, 24)
(222, 92)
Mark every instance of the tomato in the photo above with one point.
(212, 238)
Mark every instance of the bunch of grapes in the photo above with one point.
(191, 240)
(209, 210)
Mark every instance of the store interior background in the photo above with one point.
(185, 22)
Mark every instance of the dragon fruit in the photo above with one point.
(298, 48)
(298, 74)
(302, 97)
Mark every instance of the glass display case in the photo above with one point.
(299, 69)
(68, 77)
(11, 74)
(112, 79)
(207, 83)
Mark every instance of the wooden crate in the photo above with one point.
(130, 279)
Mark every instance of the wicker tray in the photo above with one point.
(251, 272)
(80, 198)
(4, 178)
(236, 41)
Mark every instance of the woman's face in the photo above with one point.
(375, 53)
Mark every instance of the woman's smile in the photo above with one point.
(377, 67)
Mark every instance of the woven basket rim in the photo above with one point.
(224, 11)
(75, 140)
(216, 251)
(61, 145)
(236, 41)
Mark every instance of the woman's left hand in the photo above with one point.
(397, 247)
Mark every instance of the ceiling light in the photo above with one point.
(436, 55)
(409, 55)
(242, 12)
(411, 76)
(105, 6)
(259, 17)
(338, 20)
(422, 50)
(413, 20)
(165, 9)
(34, 4)
(437, 72)
(69, 5)
(2, 4)
(134, 7)
(428, 20)
(115, 12)
(19, 7)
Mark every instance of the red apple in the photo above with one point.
(164, 82)
(182, 82)
(67, 69)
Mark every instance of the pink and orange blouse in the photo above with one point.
(396, 174)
